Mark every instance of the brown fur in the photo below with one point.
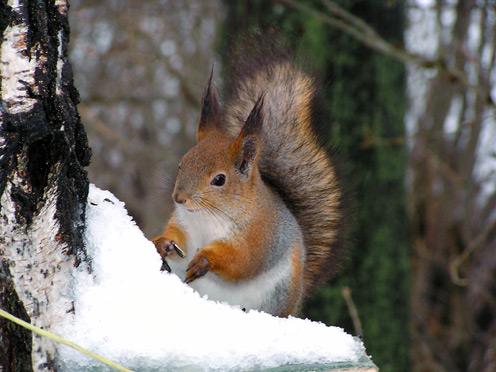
(296, 287)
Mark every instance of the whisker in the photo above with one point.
(208, 208)
(217, 212)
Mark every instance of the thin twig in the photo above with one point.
(357, 323)
(476, 243)
(364, 33)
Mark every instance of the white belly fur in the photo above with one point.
(248, 294)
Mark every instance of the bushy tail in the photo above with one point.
(292, 161)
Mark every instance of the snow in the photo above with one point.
(129, 311)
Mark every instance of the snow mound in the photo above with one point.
(129, 311)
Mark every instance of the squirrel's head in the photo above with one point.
(221, 170)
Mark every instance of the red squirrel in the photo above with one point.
(258, 206)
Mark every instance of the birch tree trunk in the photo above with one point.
(43, 184)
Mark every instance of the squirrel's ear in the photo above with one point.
(249, 140)
(210, 115)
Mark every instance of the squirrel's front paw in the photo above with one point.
(165, 248)
(198, 267)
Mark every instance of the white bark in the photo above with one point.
(17, 68)
(40, 269)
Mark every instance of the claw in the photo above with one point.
(165, 266)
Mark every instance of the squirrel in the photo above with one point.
(258, 205)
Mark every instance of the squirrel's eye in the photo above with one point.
(179, 165)
(219, 180)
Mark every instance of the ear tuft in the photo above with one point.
(254, 122)
(210, 115)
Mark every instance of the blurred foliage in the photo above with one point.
(364, 92)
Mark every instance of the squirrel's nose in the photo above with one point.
(179, 197)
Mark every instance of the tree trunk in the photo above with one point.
(453, 198)
(43, 184)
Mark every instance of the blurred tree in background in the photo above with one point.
(140, 67)
(364, 91)
(452, 178)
